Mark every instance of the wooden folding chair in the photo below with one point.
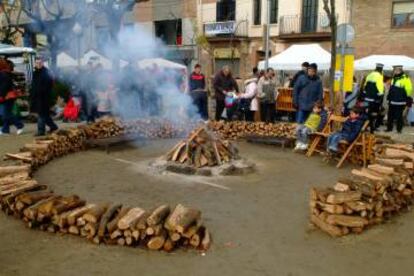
(361, 142)
(319, 138)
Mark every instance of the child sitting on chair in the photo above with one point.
(312, 124)
(349, 132)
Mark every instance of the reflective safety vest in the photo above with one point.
(400, 91)
(374, 87)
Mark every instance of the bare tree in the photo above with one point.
(52, 18)
(329, 7)
(11, 12)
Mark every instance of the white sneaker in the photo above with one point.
(20, 131)
(3, 134)
(304, 147)
(298, 145)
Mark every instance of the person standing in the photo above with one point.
(223, 83)
(249, 103)
(198, 91)
(307, 91)
(399, 96)
(41, 94)
(298, 74)
(7, 100)
(267, 91)
(373, 94)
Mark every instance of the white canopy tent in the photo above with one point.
(91, 54)
(368, 63)
(292, 58)
(10, 50)
(160, 62)
(65, 60)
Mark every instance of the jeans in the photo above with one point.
(395, 113)
(302, 134)
(200, 101)
(9, 118)
(333, 141)
(301, 116)
(42, 121)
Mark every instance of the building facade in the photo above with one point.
(235, 30)
(388, 27)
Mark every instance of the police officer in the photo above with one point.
(398, 98)
(373, 94)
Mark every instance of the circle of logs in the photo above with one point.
(162, 228)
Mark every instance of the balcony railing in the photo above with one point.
(302, 25)
(226, 28)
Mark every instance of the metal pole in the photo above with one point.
(341, 85)
(267, 36)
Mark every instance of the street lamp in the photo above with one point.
(77, 30)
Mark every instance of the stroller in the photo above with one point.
(72, 110)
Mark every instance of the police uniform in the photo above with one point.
(399, 96)
(373, 94)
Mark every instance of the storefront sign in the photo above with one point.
(219, 28)
(226, 53)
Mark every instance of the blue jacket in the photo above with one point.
(351, 129)
(307, 92)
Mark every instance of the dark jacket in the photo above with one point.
(307, 92)
(197, 82)
(6, 84)
(324, 119)
(222, 84)
(351, 129)
(295, 78)
(41, 91)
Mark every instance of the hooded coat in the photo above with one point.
(41, 91)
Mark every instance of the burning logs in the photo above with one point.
(239, 129)
(370, 196)
(40, 208)
(202, 149)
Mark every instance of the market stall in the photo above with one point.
(369, 62)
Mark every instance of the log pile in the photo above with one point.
(239, 129)
(39, 207)
(202, 149)
(369, 196)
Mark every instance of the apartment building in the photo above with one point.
(383, 27)
(235, 29)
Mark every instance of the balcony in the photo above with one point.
(299, 27)
(226, 29)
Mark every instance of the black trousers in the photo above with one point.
(267, 112)
(395, 114)
(374, 116)
(200, 101)
(219, 109)
(249, 116)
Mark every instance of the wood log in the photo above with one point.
(341, 187)
(174, 236)
(154, 230)
(113, 224)
(30, 198)
(395, 153)
(20, 186)
(95, 213)
(181, 218)
(157, 242)
(206, 240)
(78, 212)
(130, 218)
(382, 169)
(158, 215)
(168, 245)
(348, 221)
(23, 156)
(7, 170)
(135, 235)
(332, 230)
(31, 212)
(339, 198)
(331, 208)
(116, 234)
(73, 230)
(14, 177)
(390, 162)
(74, 203)
(107, 217)
(91, 228)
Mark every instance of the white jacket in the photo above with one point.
(250, 92)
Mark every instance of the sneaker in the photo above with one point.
(304, 147)
(20, 131)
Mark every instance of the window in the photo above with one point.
(403, 15)
(226, 10)
(257, 12)
(169, 31)
(274, 11)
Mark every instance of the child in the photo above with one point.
(350, 130)
(311, 125)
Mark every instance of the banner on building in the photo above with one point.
(219, 28)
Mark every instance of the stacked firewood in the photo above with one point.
(370, 196)
(160, 229)
(202, 149)
(104, 128)
(239, 129)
